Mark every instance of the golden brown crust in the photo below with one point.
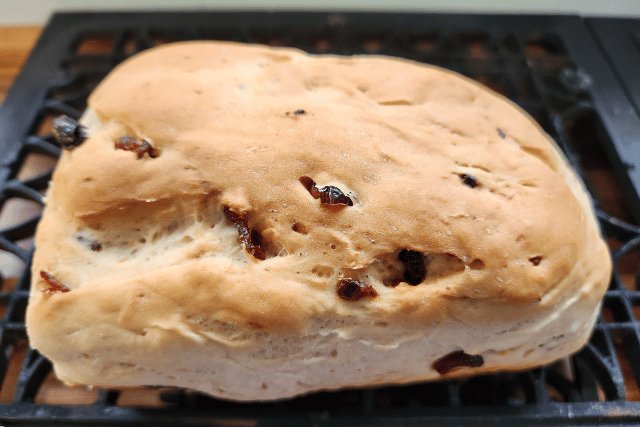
(393, 135)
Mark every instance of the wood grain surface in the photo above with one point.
(15, 45)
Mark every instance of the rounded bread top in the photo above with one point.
(433, 162)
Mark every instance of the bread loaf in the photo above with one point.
(258, 223)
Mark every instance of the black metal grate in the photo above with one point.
(620, 41)
(550, 65)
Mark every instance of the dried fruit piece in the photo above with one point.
(469, 180)
(251, 239)
(535, 260)
(415, 269)
(333, 196)
(457, 359)
(501, 134)
(352, 290)
(68, 132)
(93, 245)
(310, 185)
(55, 285)
(137, 146)
(329, 195)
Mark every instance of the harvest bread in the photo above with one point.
(259, 223)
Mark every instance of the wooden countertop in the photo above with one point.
(15, 45)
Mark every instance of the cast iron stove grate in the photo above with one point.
(550, 65)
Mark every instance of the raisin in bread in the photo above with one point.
(258, 223)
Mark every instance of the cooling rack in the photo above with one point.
(558, 68)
